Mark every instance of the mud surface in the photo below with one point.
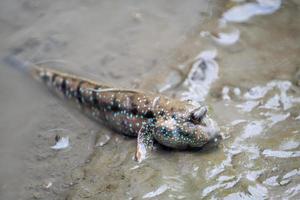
(150, 45)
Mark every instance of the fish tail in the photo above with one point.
(84, 91)
(24, 66)
(17, 63)
(37, 72)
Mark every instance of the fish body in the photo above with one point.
(147, 116)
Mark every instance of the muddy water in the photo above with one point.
(150, 45)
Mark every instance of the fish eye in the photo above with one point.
(198, 114)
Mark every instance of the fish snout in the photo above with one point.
(212, 130)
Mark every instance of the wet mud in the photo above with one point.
(255, 98)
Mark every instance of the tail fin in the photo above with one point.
(24, 66)
(19, 64)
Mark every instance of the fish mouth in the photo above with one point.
(211, 128)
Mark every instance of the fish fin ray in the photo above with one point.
(144, 143)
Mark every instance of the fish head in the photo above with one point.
(194, 129)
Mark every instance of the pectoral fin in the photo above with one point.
(144, 143)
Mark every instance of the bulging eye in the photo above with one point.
(198, 114)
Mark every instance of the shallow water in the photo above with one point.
(254, 97)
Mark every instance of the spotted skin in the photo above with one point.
(148, 116)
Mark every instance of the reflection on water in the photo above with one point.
(271, 108)
(245, 11)
(246, 73)
(202, 74)
(266, 111)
